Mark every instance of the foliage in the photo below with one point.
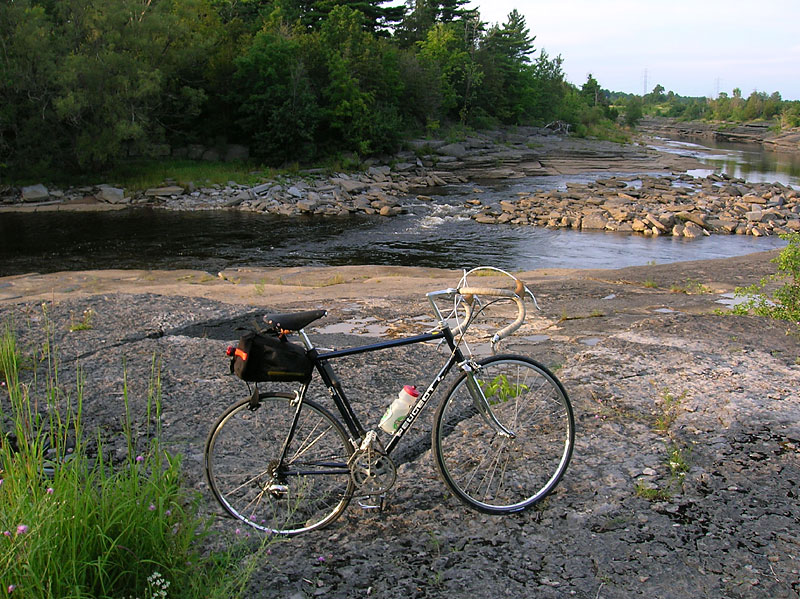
(784, 302)
(86, 85)
(633, 111)
(74, 525)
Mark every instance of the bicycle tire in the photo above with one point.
(309, 490)
(497, 474)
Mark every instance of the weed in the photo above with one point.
(669, 410)
(84, 324)
(678, 460)
(650, 493)
(690, 287)
(650, 284)
(334, 280)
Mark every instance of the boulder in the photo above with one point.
(35, 193)
(594, 220)
(692, 230)
(112, 195)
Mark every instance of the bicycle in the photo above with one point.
(502, 436)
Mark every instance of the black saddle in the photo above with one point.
(293, 321)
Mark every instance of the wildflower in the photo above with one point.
(140, 458)
(321, 559)
(11, 588)
(152, 507)
(49, 490)
(22, 529)
(7, 533)
(168, 513)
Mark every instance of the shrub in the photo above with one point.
(784, 302)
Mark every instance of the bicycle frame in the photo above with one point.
(354, 427)
(351, 421)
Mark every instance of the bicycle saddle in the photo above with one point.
(293, 321)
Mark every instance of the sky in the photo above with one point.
(691, 47)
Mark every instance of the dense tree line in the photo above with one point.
(86, 83)
(727, 108)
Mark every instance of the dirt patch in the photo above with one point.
(687, 462)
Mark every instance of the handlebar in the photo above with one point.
(466, 295)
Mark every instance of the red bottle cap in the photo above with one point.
(411, 390)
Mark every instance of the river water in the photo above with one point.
(438, 234)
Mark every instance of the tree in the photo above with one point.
(633, 111)
(591, 91)
(377, 19)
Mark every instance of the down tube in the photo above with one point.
(422, 402)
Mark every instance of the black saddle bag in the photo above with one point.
(268, 357)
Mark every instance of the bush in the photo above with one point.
(784, 302)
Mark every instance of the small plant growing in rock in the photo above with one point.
(678, 460)
(84, 324)
(784, 302)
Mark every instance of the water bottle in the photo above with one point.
(396, 413)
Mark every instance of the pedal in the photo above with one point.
(373, 502)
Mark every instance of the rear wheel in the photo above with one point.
(308, 489)
(512, 458)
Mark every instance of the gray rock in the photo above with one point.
(112, 195)
(456, 149)
(595, 220)
(169, 190)
(236, 153)
(35, 193)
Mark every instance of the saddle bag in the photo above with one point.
(269, 357)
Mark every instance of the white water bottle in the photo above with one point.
(396, 412)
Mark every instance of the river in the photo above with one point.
(437, 234)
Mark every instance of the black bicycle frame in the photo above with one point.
(350, 418)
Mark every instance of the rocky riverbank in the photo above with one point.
(682, 206)
(687, 462)
(381, 188)
(753, 133)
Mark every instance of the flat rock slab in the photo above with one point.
(650, 372)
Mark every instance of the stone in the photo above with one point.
(458, 150)
(35, 193)
(112, 195)
(307, 205)
(594, 220)
(236, 153)
(211, 155)
(170, 190)
(295, 192)
(692, 230)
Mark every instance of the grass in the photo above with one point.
(690, 287)
(95, 528)
(650, 493)
(84, 324)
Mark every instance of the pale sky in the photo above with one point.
(692, 47)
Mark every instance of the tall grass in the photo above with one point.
(87, 527)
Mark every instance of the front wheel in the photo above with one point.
(306, 489)
(511, 452)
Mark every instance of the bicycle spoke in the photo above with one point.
(493, 472)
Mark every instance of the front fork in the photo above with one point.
(472, 370)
